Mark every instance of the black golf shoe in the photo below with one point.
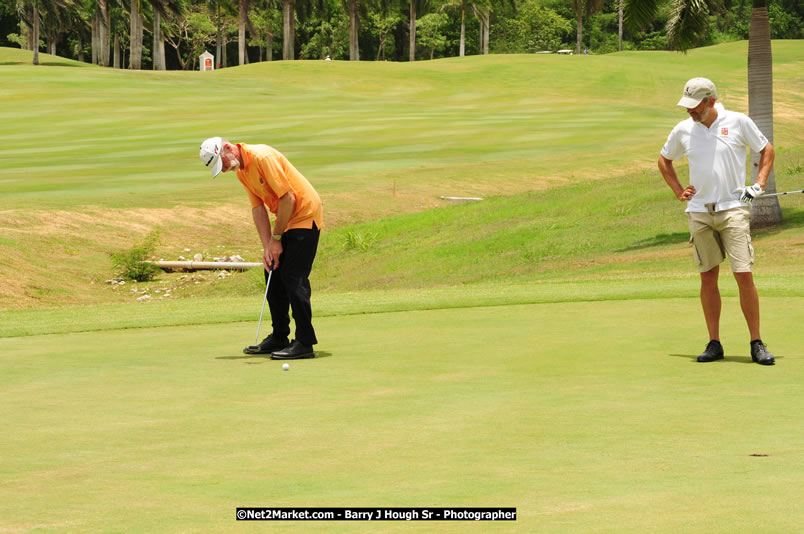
(713, 352)
(295, 351)
(268, 345)
(760, 354)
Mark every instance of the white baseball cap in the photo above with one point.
(696, 90)
(211, 154)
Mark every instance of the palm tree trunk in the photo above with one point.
(241, 33)
(486, 29)
(462, 47)
(289, 30)
(765, 211)
(52, 41)
(218, 47)
(135, 57)
(620, 25)
(412, 30)
(354, 48)
(104, 24)
(95, 40)
(80, 46)
(580, 32)
(483, 18)
(116, 58)
(35, 32)
(27, 32)
(158, 51)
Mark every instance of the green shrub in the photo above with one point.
(359, 241)
(133, 264)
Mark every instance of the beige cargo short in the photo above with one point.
(717, 234)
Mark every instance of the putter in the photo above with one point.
(264, 298)
(780, 194)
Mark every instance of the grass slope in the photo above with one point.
(96, 158)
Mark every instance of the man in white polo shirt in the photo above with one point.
(714, 141)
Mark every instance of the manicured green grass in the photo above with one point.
(586, 416)
(217, 310)
(121, 138)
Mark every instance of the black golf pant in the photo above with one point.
(290, 285)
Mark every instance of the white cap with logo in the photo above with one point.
(696, 90)
(211, 154)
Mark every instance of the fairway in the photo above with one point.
(587, 417)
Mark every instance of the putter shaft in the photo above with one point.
(264, 298)
(785, 193)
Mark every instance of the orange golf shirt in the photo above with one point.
(267, 176)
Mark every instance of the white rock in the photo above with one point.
(144, 297)
(198, 257)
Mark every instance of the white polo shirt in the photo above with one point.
(716, 156)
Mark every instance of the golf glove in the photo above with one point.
(751, 192)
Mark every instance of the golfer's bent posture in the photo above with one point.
(714, 141)
(289, 248)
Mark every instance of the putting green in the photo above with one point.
(586, 416)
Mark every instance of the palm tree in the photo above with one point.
(161, 8)
(765, 211)
(29, 14)
(416, 7)
(483, 14)
(135, 33)
(288, 29)
(56, 13)
(220, 20)
(101, 31)
(354, 22)
(685, 28)
(462, 5)
(412, 26)
(585, 8)
(482, 10)
(243, 7)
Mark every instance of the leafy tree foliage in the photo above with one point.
(533, 28)
(321, 28)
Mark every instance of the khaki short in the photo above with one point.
(715, 235)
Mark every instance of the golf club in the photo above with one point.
(780, 194)
(265, 297)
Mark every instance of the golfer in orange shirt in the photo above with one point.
(289, 247)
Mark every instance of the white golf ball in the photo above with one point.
(286, 366)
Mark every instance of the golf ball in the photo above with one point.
(286, 366)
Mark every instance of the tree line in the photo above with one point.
(171, 34)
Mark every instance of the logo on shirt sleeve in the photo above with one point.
(724, 131)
